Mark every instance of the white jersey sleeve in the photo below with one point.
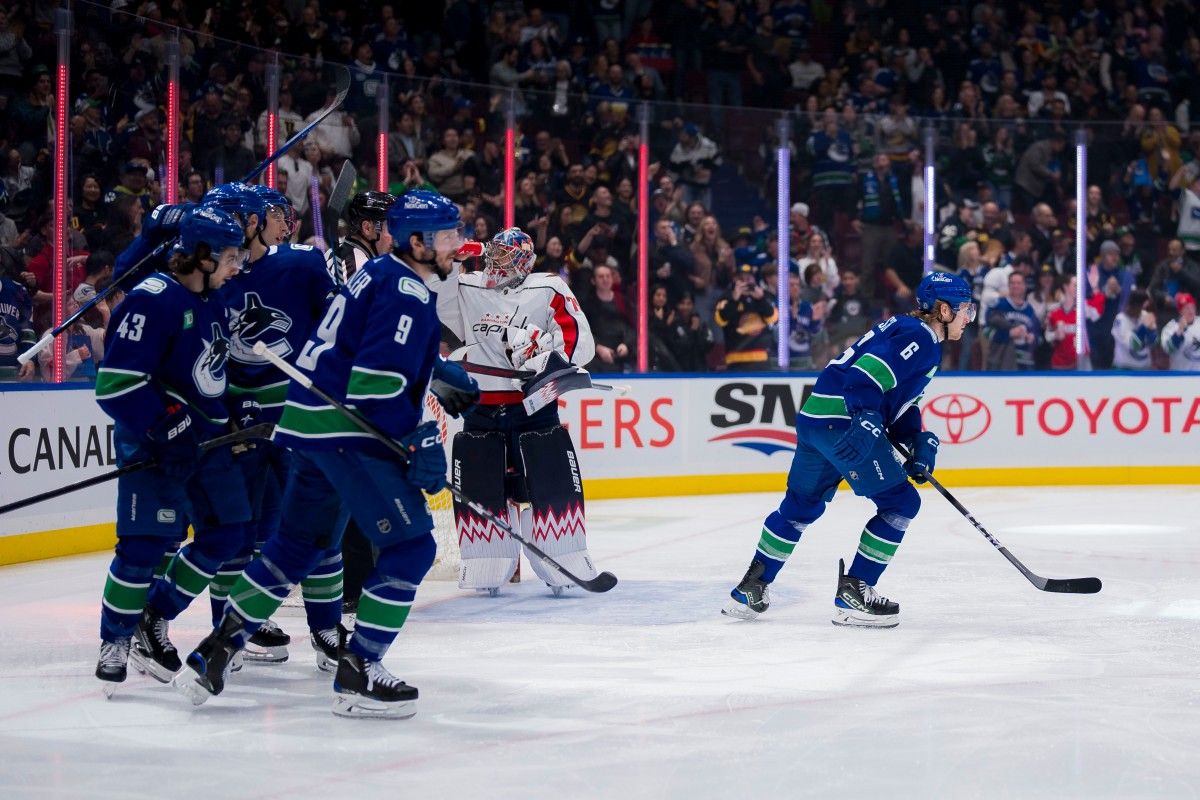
(572, 333)
(449, 307)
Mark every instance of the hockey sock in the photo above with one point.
(129, 578)
(265, 583)
(322, 591)
(388, 594)
(778, 539)
(222, 582)
(877, 545)
(187, 576)
(165, 561)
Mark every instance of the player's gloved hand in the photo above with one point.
(865, 429)
(525, 343)
(244, 410)
(453, 387)
(924, 454)
(175, 442)
(426, 458)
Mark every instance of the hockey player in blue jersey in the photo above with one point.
(278, 298)
(862, 401)
(163, 382)
(375, 350)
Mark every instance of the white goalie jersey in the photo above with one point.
(489, 321)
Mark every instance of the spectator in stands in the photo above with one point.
(746, 317)
(1181, 337)
(882, 209)
(818, 254)
(1000, 165)
(88, 214)
(807, 339)
(99, 270)
(904, 270)
(1134, 332)
(1039, 175)
(16, 315)
(1013, 330)
(194, 187)
(133, 184)
(714, 265)
(804, 71)
(692, 163)
(687, 336)
(616, 338)
(1044, 225)
(1186, 182)
(725, 42)
(453, 169)
(231, 157)
(850, 314)
(1175, 273)
(671, 263)
(832, 171)
(83, 347)
(956, 232)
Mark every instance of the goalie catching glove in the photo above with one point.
(453, 387)
(525, 344)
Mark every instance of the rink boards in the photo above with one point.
(689, 435)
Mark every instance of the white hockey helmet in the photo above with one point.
(507, 258)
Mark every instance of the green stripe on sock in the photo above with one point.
(253, 602)
(221, 584)
(325, 587)
(875, 548)
(381, 614)
(772, 546)
(130, 599)
(187, 576)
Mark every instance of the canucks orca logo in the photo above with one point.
(257, 322)
(208, 373)
(8, 339)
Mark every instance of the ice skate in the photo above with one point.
(859, 605)
(750, 598)
(152, 652)
(268, 645)
(326, 643)
(209, 664)
(111, 666)
(366, 689)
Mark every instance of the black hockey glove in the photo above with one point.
(426, 458)
(175, 443)
(859, 439)
(453, 387)
(924, 454)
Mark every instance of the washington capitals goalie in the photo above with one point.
(517, 465)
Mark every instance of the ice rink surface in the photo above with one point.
(989, 688)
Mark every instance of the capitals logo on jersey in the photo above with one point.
(258, 322)
(209, 370)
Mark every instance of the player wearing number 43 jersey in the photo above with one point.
(863, 401)
(374, 351)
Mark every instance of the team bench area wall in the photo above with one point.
(689, 435)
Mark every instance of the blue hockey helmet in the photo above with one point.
(210, 225)
(273, 198)
(947, 287)
(236, 198)
(507, 258)
(427, 213)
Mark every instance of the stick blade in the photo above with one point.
(340, 195)
(599, 584)
(1072, 585)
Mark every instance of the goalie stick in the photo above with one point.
(343, 88)
(1062, 585)
(262, 431)
(601, 583)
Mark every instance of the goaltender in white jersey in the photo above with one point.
(513, 463)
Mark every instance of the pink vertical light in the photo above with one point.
(272, 117)
(171, 178)
(643, 344)
(510, 164)
(381, 145)
(62, 29)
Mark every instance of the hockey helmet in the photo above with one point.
(368, 207)
(212, 226)
(429, 214)
(507, 258)
(947, 287)
(273, 198)
(236, 198)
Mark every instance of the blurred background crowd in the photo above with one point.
(1003, 88)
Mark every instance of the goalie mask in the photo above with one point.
(507, 258)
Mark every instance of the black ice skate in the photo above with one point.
(750, 598)
(268, 645)
(152, 653)
(365, 688)
(858, 604)
(209, 664)
(326, 643)
(111, 666)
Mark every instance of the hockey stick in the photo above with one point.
(621, 389)
(1063, 585)
(339, 196)
(343, 88)
(601, 583)
(261, 431)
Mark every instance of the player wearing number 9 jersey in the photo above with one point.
(374, 351)
(863, 401)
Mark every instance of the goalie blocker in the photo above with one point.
(524, 468)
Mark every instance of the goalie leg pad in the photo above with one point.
(555, 488)
(489, 556)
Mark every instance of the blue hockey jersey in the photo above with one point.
(277, 300)
(374, 351)
(165, 345)
(159, 226)
(16, 323)
(886, 370)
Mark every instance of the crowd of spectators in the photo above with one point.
(1004, 87)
